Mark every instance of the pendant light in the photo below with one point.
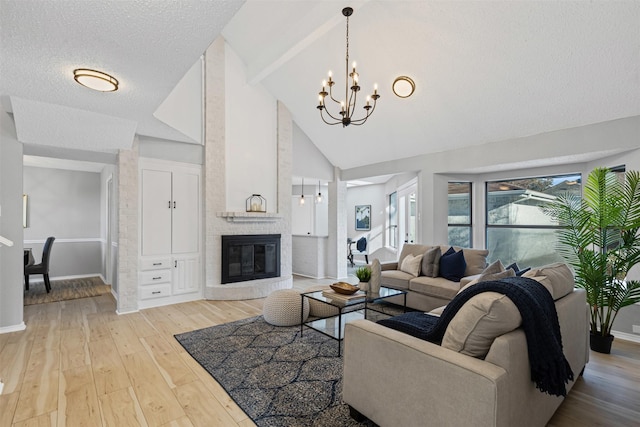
(302, 193)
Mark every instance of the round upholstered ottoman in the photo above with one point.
(282, 308)
(317, 308)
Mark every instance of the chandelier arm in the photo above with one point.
(323, 119)
(331, 115)
(364, 119)
(331, 96)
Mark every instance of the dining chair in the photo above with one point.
(42, 268)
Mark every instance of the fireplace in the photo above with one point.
(250, 257)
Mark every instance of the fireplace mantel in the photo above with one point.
(249, 216)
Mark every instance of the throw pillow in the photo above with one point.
(482, 319)
(496, 276)
(517, 270)
(431, 262)
(494, 267)
(490, 273)
(452, 265)
(559, 275)
(411, 264)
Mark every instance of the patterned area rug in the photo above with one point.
(63, 290)
(277, 377)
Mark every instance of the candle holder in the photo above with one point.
(256, 203)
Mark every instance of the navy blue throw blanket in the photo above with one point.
(549, 368)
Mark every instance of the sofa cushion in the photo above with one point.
(483, 318)
(434, 286)
(452, 265)
(411, 264)
(559, 276)
(476, 260)
(431, 262)
(413, 249)
(395, 279)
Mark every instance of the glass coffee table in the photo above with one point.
(333, 326)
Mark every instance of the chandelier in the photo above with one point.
(348, 106)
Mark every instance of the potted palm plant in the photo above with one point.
(599, 239)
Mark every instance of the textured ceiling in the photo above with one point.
(484, 70)
(148, 45)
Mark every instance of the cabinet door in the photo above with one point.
(186, 277)
(156, 212)
(186, 213)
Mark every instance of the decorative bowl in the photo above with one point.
(344, 288)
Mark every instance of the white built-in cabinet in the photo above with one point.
(170, 224)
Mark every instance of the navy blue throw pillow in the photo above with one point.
(452, 265)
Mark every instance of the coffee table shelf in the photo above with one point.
(333, 326)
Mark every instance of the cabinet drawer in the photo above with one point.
(155, 276)
(155, 291)
(155, 263)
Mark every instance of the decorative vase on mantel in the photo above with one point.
(601, 343)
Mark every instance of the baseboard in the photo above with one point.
(14, 328)
(118, 312)
(626, 336)
(40, 279)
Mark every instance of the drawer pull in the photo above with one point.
(157, 263)
(157, 278)
(156, 292)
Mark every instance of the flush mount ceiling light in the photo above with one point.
(403, 87)
(96, 80)
(348, 104)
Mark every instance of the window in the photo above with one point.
(517, 229)
(460, 214)
(393, 220)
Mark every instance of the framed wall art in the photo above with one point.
(363, 217)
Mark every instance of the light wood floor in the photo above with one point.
(80, 364)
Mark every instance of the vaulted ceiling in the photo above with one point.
(484, 70)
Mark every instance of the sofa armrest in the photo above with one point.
(396, 379)
(389, 265)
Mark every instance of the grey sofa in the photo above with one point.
(425, 292)
(395, 379)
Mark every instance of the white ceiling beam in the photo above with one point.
(306, 30)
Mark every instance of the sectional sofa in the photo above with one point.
(396, 379)
(428, 289)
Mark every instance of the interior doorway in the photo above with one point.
(407, 214)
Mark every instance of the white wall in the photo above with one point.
(109, 267)
(568, 151)
(311, 218)
(375, 196)
(64, 204)
(163, 149)
(308, 161)
(182, 109)
(250, 135)
(11, 258)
